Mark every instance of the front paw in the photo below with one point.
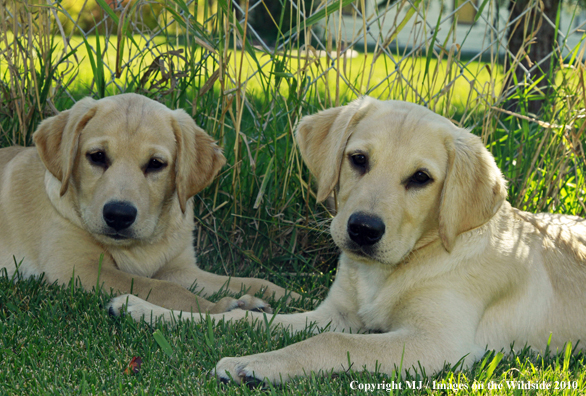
(251, 303)
(246, 302)
(244, 370)
(136, 307)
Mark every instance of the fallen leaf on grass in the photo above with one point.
(133, 366)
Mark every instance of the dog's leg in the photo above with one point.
(331, 315)
(173, 296)
(432, 334)
(338, 312)
(337, 352)
(160, 292)
(211, 283)
(138, 309)
(185, 272)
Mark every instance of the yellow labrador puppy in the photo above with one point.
(115, 177)
(434, 260)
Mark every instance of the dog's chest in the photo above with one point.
(141, 261)
(372, 292)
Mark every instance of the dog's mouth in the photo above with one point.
(368, 252)
(118, 237)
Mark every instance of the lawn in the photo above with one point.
(60, 340)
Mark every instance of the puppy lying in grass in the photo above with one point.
(115, 177)
(436, 265)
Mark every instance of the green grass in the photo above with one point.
(82, 72)
(60, 340)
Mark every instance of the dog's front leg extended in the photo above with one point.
(184, 271)
(443, 330)
(329, 316)
(159, 292)
(109, 278)
(337, 352)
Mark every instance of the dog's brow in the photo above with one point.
(359, 146)
(159, 151)
(98, 142)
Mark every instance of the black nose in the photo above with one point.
(365, 229)
(119, 215)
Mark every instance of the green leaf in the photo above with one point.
(163, 343)
(492, 366)
(567, 356)
(209, 335)
(324, 12)
(480, 9)
(264, 183)
(283, 74)
(108, 10)
(413, 7)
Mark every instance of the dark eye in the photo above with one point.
(359, 161)
(98, 158)
(155, 165)
(418, 179)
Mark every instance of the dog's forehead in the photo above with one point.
(400, 125)
(136, 121)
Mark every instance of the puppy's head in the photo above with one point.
(127, 162)
(405, 177)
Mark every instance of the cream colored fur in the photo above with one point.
(52, 199)
(456, 272)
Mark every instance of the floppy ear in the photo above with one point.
(57, 139)
(199, 159)
(473, 190)
(322, 139)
